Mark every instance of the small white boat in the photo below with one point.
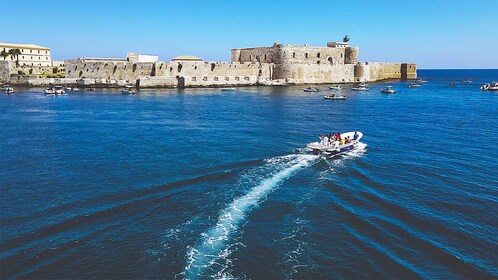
(360, 87)
(334, 97)
(420, 81)
(388, 89)
(8, 89)
(75, 89)
(311, 89)
(331, 150)
(413, 85)
(55, 90)
(338, 87)
(467, 81)
(491, 86)
(128, 90)
(68, 88)
(452, 84)
(228, 88)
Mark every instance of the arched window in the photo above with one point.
(318, 55)
(293, 55)
(306, 55)
(265, 57)
(330, 60)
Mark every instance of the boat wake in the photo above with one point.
(214, 242)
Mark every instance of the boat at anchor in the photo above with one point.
(388, 89)
(324, 148)
(334, 97)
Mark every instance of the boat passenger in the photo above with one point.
(320, 138)
(342, 141)
(338, 136)
(355, 137)
(336, 144)
(325, 141)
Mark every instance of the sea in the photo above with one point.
(205, 184)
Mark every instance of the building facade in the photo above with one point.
(31, 55)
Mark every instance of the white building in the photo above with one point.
(31, 55)
(136, 57)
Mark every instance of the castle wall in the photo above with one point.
(107, 69)
(378, 71)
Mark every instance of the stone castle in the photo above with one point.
(279, 64)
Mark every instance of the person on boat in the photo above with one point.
(355, 137)
(338, 136)
(342, 141)
(325, 140)
(320, 138)
(336, 144)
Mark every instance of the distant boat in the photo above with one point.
(467, 81)
(452, 84)
(420, 81)
(311, 89)
(228, 88)
(388, 89)
(360, 87)
(413, 85)
(338, 87)
(68, 88)
(55, 90)
(334, 97)
(492, 86)
(127, 90)
(8, 89)
(90, 89)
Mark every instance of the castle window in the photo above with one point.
(306, 55)
(318, 55)
(341, 55)
(38, 51)
(250, 57)
(30, 51)
(293, 55)
(265, 57)
(318, 62)
(330, 60)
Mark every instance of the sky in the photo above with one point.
(434, 34)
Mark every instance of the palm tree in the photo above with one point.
(346, 38)
(17, 52)
(4, 54)
(11, 52)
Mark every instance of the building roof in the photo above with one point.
(186, 58)
(23, 46)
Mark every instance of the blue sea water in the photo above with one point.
(199, 183)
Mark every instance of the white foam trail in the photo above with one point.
(213, 242)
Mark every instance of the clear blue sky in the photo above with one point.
(434, 34)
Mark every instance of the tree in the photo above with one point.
(4, 54)
(11, 52)
(346, 38)
(17, 52)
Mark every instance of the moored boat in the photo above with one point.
(452, 84)
(414, 85)
(311, 89)
(420, 81)
(228, 88)
(127, 90)
(335, 148)
(8, 89)
(388, 89)
(334, 97)
(338, 87)
(55, 90)
(467, 81)
(360, 87)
